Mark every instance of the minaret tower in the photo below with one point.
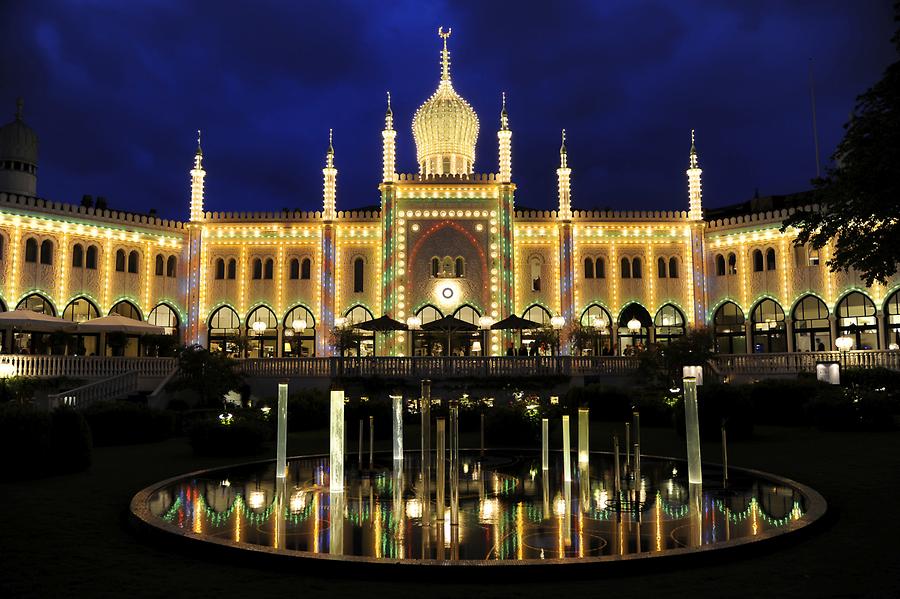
(388, 137)
(695, 192)
(562, 176)
(197, 176)
(504, 142)
(330, 173)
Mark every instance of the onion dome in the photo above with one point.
(445, 127)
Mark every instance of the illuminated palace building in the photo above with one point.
(446, 241)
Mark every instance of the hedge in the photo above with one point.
(36, 443)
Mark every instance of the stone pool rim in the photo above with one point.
(141, 518)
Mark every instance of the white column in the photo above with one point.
(336, 465)
(281, 443)
(397, 411)
(567, 450)
(692, 430)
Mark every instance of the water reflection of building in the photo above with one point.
(444, 241)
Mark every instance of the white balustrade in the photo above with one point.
(793, 363)
(108, 389)
(86, 367)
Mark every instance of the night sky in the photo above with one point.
(116, 91)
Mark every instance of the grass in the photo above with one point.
(65, 536)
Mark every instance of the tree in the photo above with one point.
(859, 196)
(662, 364)
(208, 374)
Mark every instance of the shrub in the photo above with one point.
(510, 426)
(653, 407)
(71, 443)
(872, 379)
(36, 443)
(853, 409)
(124, 423)
(245, 436)
(783, 402)
(610, 404)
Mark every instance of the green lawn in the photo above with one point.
(65, 536)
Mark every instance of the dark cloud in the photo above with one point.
(117, 89)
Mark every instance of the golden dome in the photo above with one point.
(445, 127)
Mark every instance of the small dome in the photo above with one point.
(445, 128)
(18, 141)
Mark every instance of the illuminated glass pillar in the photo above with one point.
(545, 445)
(454, 462)
(583, 436)
(336, 465)
(397, 419)
(441, 473)
(281, 442)
(567, 450)
(692, 430)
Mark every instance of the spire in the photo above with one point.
(695, 189)
(330, 174)
(388, 137)
(504, 117)
(197, 177)
(329, 155)
(563, 158)
(504, 139)
(562, 177)
(198, 155)
(445, 54)
(20, 104)
(388, 115)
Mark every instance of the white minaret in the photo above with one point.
(695, 193)
(197, 176)
(328, 212)
(504, 142)
(562, 175)
(388, 137)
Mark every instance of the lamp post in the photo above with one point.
(484, 323)
(634, 327)
(557, 322)
(844, 343)
(413, 323)
(298, 326)
(259, 327)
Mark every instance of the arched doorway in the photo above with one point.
(769, 331)
(728, 322)
(856, 319)
(262, 333)
(165, 316)
(464, 342)
(224, 331)
(635, 340)
(596, 327)
(363, 341)
(81, 309)
(541, 315)
(299, 333)
(812, 331)
(33, 342)
(428, 343)
(122, 344)
(670, 324)
(892, 320)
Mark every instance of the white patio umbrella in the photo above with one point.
(38, 322)
(119, 323)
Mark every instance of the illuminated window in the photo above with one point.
(220, 269)
(600, 269)
(359, 267)
(732, 264)
(435, 266)
(673, 267)
(164, 316)
(720, 265)
(770, 259)
(269, 269)
(588, 268)
(305, 268)
(46, 252)
(813, 257)
(460, 267)
(661, 267)
(757, 261)
(171, 267)
(232, 269)
(90, 260)
(126, 309)
(728, 323)
(536, 267)
(120, 260)
(294, 269)
(636, 268)
(160, 265)
(133, 262)
(31, 250)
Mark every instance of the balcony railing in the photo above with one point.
(84, 367)
(108, 389)
(792, 363)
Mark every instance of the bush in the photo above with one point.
(125, 423)
(510, 426)
(245, 436)
(654, 409)
(610, 404)
(871, 379)
(853, 409)
(783, 402)
(36, 443)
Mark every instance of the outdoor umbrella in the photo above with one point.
(119, 323)
(450, 325)
(28, 320)
(381, 324)
(515, 323)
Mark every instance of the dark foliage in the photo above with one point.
(210, 375)
(125, 423)
(245, 436)
(35, 443)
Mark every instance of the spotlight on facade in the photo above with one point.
(634, 325)
(557, 322)
(892, 347)
(844, 343)
(339, 322)
(828, 372)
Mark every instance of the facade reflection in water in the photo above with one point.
(508, 509)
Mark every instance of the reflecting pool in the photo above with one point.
(509, 508)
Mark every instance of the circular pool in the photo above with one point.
(510, 512)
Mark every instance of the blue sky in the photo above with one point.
(116, 91)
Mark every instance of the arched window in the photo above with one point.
(164, 316)
(220, 269)
(294, 269)
(305, 268)
(539, 314)
(224, 330)
(171, 267)
(460, 270)
(757, 261)
(429, 313)
(126, 309)
(232, 269)
(732, 264)
(262, 333)
(364, 341)
(80, 309)
(856, 319)
(299, 333)
(720, 265)
(435, 266)
(588, 268)
(120, 260)
(892, 311)
(133, 262)
(46, 252)
(269, 269)
(31, 250)
(535, 267)
(768, 329)
(634, 341)
(257, 268)
(812, 331)
(669, 324)
(595, 321)
(359, 272)
(467, 313)
(770, 259)
(728, 323)
(160, 265)
(661, 267)
(600, 268)
(447, 266)
(673, 267)
(636, 268)
(37, 303)
(90, 260)
(77, 256)
(626, 268)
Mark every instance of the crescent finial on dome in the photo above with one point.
(445, 54)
